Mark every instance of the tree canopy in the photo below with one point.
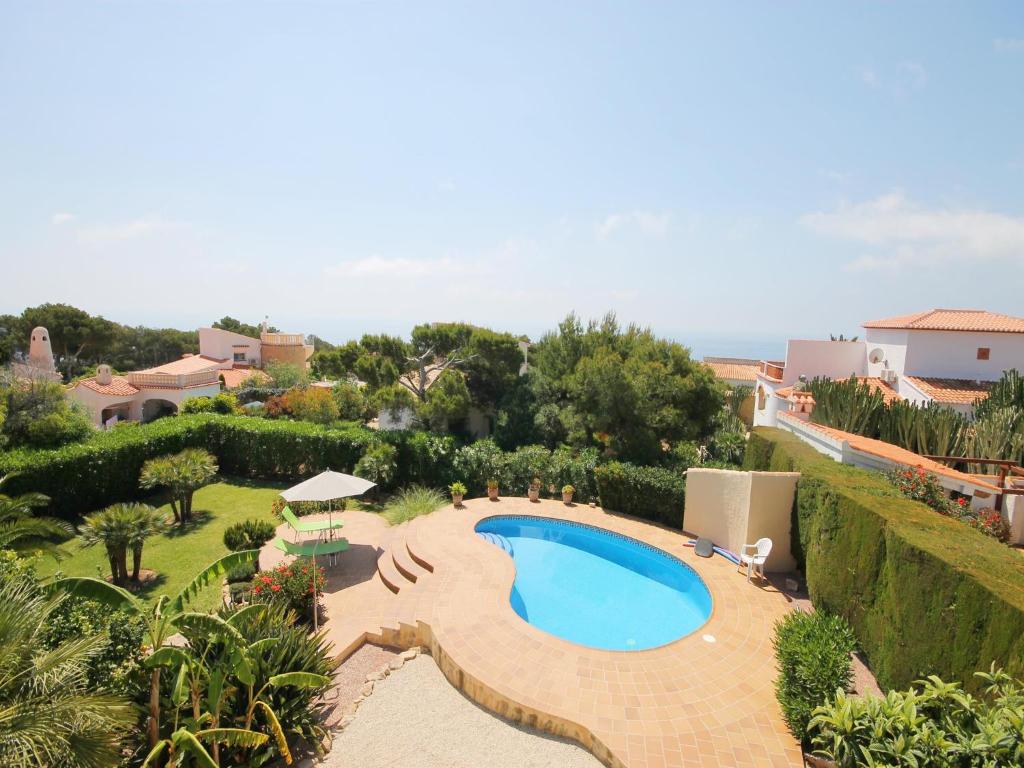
(624, 389)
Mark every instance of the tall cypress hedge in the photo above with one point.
(925, 594)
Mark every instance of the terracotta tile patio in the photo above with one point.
(693, 702)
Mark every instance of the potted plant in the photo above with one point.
(567, 492)
(534, 490)
(492, 489)
(458, 490)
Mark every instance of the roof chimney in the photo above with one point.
(103, 375)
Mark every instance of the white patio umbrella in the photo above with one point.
(328, 486)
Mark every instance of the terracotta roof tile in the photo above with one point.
(188, 364)
(118, 387)
(889, 394)
(233, 377)
(953, 320)
(733, 368)
(891, 452)
(956, 391)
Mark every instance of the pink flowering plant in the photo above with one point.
(919, 485)
(989, 522)
(291, 585)
(922, 486)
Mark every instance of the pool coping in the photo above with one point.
(632, 540)
(686, 703)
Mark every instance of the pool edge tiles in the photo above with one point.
(687, 704)
(598, 588)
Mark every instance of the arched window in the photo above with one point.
(760, 397)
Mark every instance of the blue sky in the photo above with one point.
(731, 174)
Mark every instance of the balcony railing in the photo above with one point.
(283, 339)
(173, 380)
(771, 370)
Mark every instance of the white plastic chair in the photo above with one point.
(755, 561)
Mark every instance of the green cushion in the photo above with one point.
(309, 526)
(307, 548)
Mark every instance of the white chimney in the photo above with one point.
(103, 375)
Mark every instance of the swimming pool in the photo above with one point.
(595, 587)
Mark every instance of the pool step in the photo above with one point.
(398, 566)
(497, 540)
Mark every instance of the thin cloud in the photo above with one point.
(129, 230)
(914, 73)
(1008, 44)
(59, 219)
(869, 77)
(378, 266)
(648, 223)
(906, 233)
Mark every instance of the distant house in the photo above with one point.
(734, 371)
(478, 423)
(225, 360)
(945, 356)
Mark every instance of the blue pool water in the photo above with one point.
(597, 588)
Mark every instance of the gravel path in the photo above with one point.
(416, 719)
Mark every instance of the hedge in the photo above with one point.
(652, 493)
(483, 460)
(924, 593)
(104, 469)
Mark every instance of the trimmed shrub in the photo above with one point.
(379, 464)
(248, 534)
(105, 468)
(813, 651)
(424, 458)
(923, 593)
(651, 493)
(241, 573)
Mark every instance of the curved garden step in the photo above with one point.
(389, 573)
(408, 567)
(413, 546)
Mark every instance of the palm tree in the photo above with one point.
(110, 527)
(48, 715)
(119, 528)
(182, 474)
(22, 531)
(145, 522)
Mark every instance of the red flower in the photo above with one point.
(961, 502)
(257, 590)
(276, 587)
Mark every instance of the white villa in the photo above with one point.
(946, 356)
(225, 360)
(478, 423)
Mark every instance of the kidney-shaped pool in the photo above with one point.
(595, 587)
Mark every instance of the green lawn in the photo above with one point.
(178, 555)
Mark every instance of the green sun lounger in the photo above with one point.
(308, 548)
(312, 526)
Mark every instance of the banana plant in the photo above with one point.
(162, 618)
(184, 742)
(194, 675)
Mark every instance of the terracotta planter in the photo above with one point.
(534, 494)
(492, 494)
(457, 499)
(566, 498)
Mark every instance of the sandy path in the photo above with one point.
(416, 719)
